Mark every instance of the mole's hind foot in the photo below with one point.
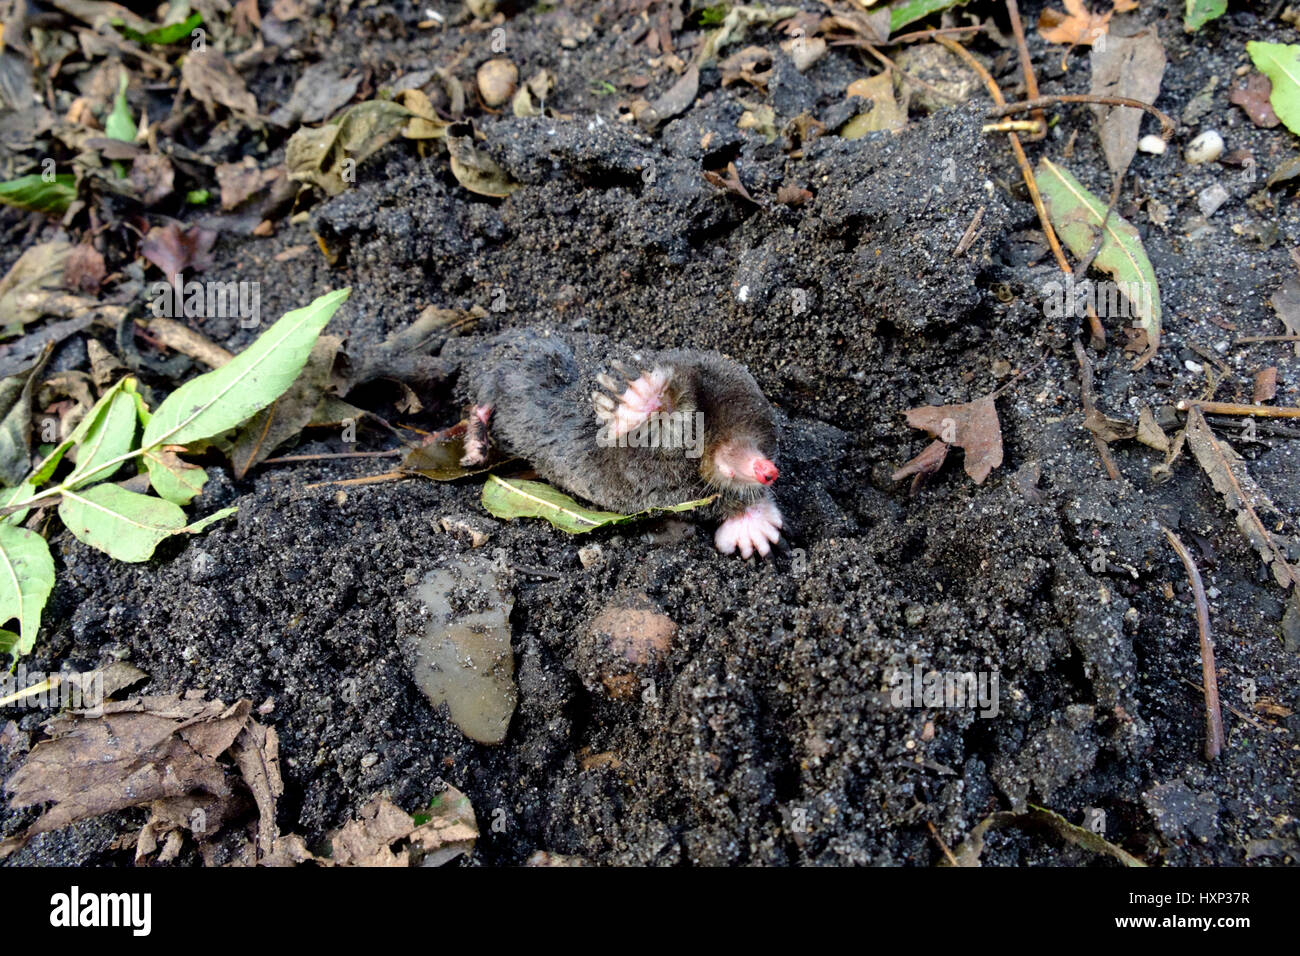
(625, 411)
(756, 528)
(476, 437)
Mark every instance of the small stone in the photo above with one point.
(369, 760)
(1152, 144)
(497, 79)
(474, 530)
(1211, 199)
(591, 555)
(914, 615)
(1206, 148)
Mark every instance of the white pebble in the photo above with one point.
(1211, 198)
(1152, 144)
(1206, 148)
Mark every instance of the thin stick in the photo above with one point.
(1239, 408)
(285, 459)
(952, 860)
(1025, 171)
(1266, 338)
(1246, 717)
(1167, 125)
(368, 480)
(1026, 67)
(1213, 715)
(937, 32)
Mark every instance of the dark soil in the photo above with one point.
(769, 738)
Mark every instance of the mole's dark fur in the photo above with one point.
(540, 385)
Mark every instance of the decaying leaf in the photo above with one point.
(973, 427)
(676, 99)
(1265, 388)
(1253, 97)
(1227, 472)
(884, 113)
(510, 498)
(438, 457)
(1076, 26)
(16, 421)
(242, 181)
(161, 751)
(1286, 302)
(1077, 216)
(1131, 67)
(447, 830)
(475, 169)
(210, 79)
(175, 250)
(1149, 431)
(1109, 429)
(328, 156)
(39, 270)
(1037, 818)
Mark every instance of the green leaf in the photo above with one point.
(35, 194)
(1201, 12)
(18, 493)
(203, 523)
(1280, 62)
(909, 11)
(173, 478)
(124, 524)
(1077, 214)
(225, 397)
(26, 579)
(162, 36)
(119, 124)
(198, 197)
(104, 435)
(515, 498)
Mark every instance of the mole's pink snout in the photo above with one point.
(765, 471)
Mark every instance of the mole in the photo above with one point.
(627, 430)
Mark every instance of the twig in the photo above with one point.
(1238, 408)
(1012, 126)
(181, 338)
(1213, 716)
(1026, 68)
(1167, 125)
(1266, 338)
(1025, 171)
(285, 459)
(1090, 407)
(934, 832)
(1246, 717)
(937, 32)
(368, 480)
(971, 232)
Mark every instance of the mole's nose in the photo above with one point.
(765, 471)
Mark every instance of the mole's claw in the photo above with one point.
(606, 382)
(755, 529)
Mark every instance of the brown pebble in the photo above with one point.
(497, 79)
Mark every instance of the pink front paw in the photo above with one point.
(756, 528)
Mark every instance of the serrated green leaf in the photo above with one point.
(119, 124)
(35, 194)
(124, 524)
(26, 579)
(510, 498)
(1280, 62)
(1200, 12)
(1077, 214)
(227, 396)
